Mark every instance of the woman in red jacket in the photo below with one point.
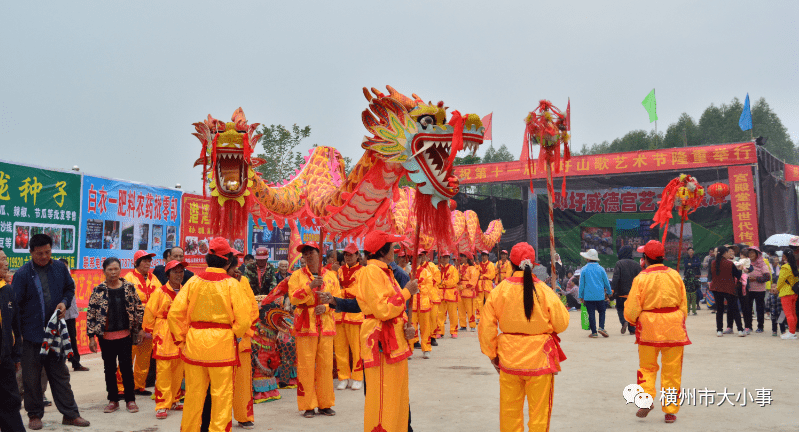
(726, 277)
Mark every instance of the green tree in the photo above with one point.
(678, 133)
(279, 144)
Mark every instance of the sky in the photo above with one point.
(114, 87)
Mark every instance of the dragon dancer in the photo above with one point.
(314, 328)
(449, 297)
(422, 303)
(348, 325)
(243, 398)
(488, 272)
(468, 291)
(657, 306)
(504, 269)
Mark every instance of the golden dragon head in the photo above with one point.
(226, 156)
(421, 137)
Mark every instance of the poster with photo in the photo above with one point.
(38, 201)
(132, 216)
(197, 231)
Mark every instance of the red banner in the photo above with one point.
(744, 205)
(791, 173)
(616, 163)
(195, 231)
(85, 281)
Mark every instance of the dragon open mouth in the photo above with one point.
(231, 172)
(433, 151)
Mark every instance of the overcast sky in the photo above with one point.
(114, 86)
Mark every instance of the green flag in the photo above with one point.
(651, 106)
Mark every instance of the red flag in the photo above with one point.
(487, 124)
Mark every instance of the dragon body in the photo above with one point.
(407, 138)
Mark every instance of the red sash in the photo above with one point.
(209, 325)
(387, 337)
(663, 310)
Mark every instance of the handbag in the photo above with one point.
(584, 317)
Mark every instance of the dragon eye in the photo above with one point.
(427, 120)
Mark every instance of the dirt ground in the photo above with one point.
(457, 389)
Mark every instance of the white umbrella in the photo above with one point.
(779, 240)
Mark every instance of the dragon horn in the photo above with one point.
(238, 116)
(407, 102)
(378, 93)
(367, 94)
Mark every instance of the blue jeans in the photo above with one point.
(595, 305)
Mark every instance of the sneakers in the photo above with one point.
(357, 385)
(624, 327)
(774, 334)
(455, 336)
(593, 335)
(79, 422)
(247, 425)
(473, 329)
(603, 332)
(80, 368)
(327, 411)
(671, 418)
(643, 412)
(728, 331)
(787, 335)
(111, 407)
(719, 334)
(462, 329)
(426, 355)
(694, 313)
(309, 414)
(433, 342)
(748, 331)
(177, 406)
(343, 384)
(417, 345)
(741, 333)
(161, 414)
(759, 330)
(132, 407)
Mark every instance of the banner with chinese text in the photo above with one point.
(744, 205)
(38, 201)
(791, 173)
(119, 218)
(196, 233)
(608, 219)
(85, 281)
(616, 163)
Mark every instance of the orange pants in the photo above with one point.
(242, 389)
(466, 310)
(670, 374)
(451, 309)
(434, 319)
(314, 367)
(197, 380)
(168, 376)
(478, 302)
(141, 365)
(348, 338)
(512, 391)
(386, 406)
(422, 322)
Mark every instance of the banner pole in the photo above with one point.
(550, 192)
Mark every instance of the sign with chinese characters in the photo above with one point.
(678, 158)
(38, 201)
(85, 281)
(119, 218)
(196, 232)
(744, 205)
(791, 173)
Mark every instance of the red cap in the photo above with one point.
(503, 251)
(653, 249)
(422, 251)
(262, 253)
(521, 252)
(484, 252)
(401, 252)
(467, 254)
(377, 239)
(142, 254)
(351, 248)
(312, 244)
(174, 263)
(220, 247)
(444, 253)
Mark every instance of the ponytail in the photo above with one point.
(789, 256)
(720, 251)
(528, 290)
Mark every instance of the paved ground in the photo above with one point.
(457, 390)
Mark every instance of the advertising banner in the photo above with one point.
(85, 281)
(791, 173)
(119, 218)
(38, 201)
(616, 163)
(608, 219)
(196, 232)
(744, 205)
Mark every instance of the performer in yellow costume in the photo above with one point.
(242, 373)
(348, 325)
(146, 284)
(435, 302)
(504, 269)
(206, 318)
(468, 291)
(449, 296)
(169, 366)
(527, 353)
(314, 329)
(384, 346)
(422, 303)
(488, 272)
(657, 306)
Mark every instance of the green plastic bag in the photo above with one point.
(584, 317)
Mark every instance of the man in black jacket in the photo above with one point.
(10, 353)
(623, 274)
